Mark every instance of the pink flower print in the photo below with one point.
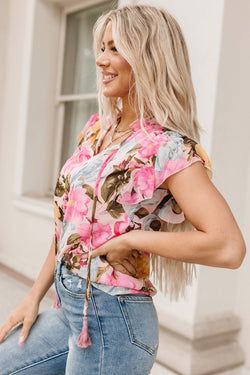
(65, 203)
(81, 155)
(77, 205)
(127, 198)
(133, 164)
(170, 167)
(93, 120)
(116, 278)
(121, 226)
(101, 233)
(123, 165)
(141, 185)
(150, 147)
(136, 125)
(144, 181)
(78, 251)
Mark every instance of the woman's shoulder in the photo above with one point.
(174, 145)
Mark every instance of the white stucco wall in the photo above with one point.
(4, 28)
(237, 128)
(230, 144)
(25, 238)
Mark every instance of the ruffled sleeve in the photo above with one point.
(177, 154)
(172, 157)
(143, 197)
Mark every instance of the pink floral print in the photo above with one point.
(128, 196)
(77, 205)
(101, 233)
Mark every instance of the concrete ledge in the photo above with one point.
(208, 346)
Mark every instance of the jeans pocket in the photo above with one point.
(73, 285)
(141, 320)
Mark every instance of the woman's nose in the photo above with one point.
(102, 60)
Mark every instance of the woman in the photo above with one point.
(132, 192)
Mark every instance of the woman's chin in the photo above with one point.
(110, 95)
(114, 93)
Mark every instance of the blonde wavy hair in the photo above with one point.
(151, 41)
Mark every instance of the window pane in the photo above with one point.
(76, 117)
(79, 63)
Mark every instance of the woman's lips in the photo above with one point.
(109, 78)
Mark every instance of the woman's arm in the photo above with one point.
(216, 242)
(27, 311)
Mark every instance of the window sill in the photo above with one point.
(41, 206)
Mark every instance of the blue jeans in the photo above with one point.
(123, 330)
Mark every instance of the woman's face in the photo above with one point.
(116, 71)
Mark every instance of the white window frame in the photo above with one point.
(61, 100)
(27, 176)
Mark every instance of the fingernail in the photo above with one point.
(21, 340)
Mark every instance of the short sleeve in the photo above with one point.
(172, 157)
(177, 154)
(143, 198)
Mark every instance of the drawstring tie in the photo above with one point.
(56, 304)
(84, 339)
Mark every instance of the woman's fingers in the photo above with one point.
(135, 253)
(130, 267)
(7, 326)
(124, 266)
(25, 313)
(27, 324)
(120, 268)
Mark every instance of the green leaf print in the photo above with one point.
(101, 271)
(67, 182)
(89, 190)
(73, 239)
(114, 182)
(59, 191)
(115, 209)
(142, 212)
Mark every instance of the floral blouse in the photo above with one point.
(126, 179)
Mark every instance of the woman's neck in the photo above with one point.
(128, 115)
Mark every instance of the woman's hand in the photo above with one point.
(25, 313)
(119, 255)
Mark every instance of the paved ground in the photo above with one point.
(12, 293)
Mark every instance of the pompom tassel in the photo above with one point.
(56, 302)
(84, 339)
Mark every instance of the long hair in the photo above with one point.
(151, 41)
